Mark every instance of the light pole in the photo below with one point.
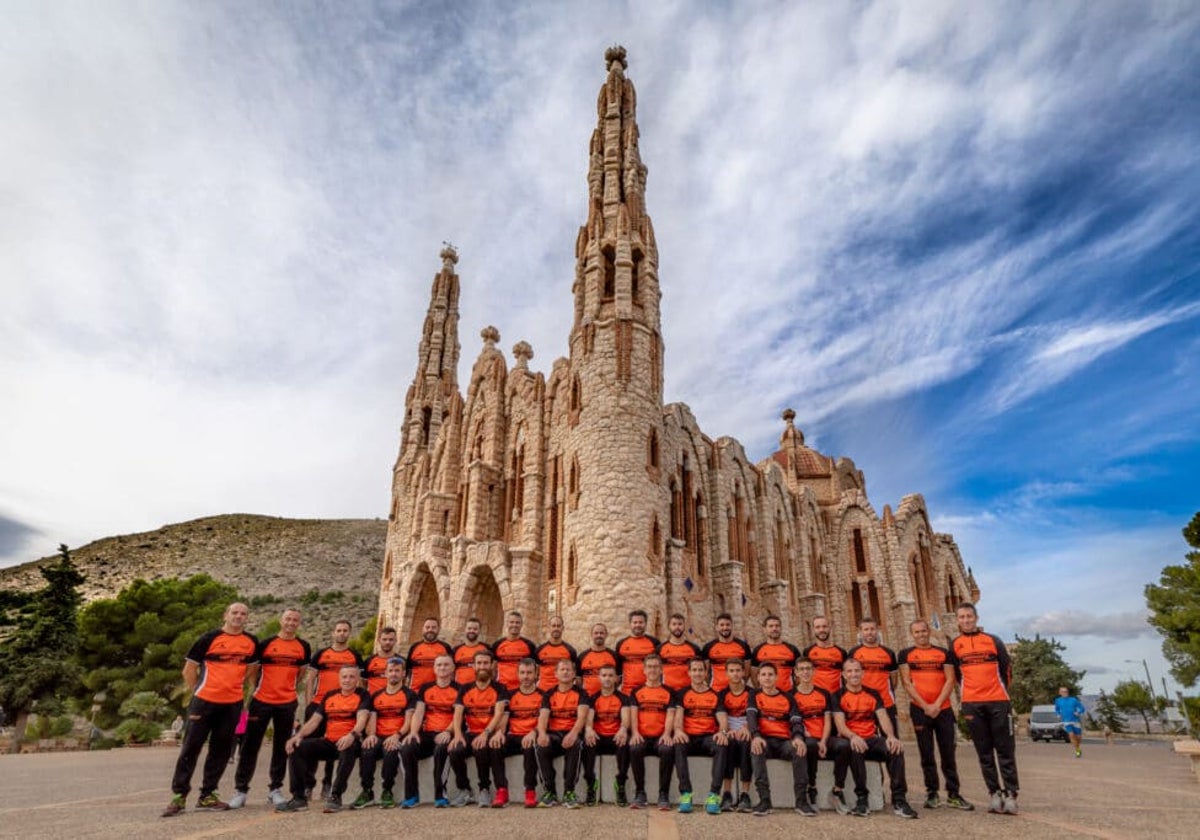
(1149, 681)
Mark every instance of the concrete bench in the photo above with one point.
(1192, 750)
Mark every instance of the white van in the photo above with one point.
(1045, 725)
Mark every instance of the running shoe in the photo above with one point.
(293, 804)
(959, 803)
(763, 808)
(484, 798)
(996, 805)
(726, 801)
(933, 801)
(175, 806)
(593, 794)
(839, 802)
(238, 800)
(441, 802)
(212, 802)
(1010, 803)
(744, 806)
(712, 805)
(862, 808)
(549, 799)
(387, 800)
(276, 797)
(569, 801)
(901, 808)
(333, 804)
(639, 800)
(664, 804)
(461, 797)
(366, 799)
(1078, 752)
(411, 802)
(619, 790)
(685, 803)
(530, 798)
(501, 798)
(805, 809)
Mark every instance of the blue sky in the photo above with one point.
(962, 241)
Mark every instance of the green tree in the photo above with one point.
(1133, 696)
(1038, 670)
(1174, 604)
(138, 640)
(364, 643)
(36, 660)
(1107, 713)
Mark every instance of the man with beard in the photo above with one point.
(594, 658)
(392, 710)
(550, 653)
(510, 649)
(431, 733)
(607, 733)
(322, 678)
(676, 653)
(879, 667)
(826, 657)
(723, 648)
(633, 650)
(781, 654)
(424, 653)
(520, 734)
(464, 654)
(375, 669)
(478, 715)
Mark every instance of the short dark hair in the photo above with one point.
(680, 616)
(342, 621)
(724, 616)
(867, 619)
(967, 605)
(387, 630)
(638, 611)
(771, 617)
(767, 665)
(653, 656)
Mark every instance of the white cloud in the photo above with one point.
(1126, 625)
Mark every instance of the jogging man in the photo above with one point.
(478, 715)
(392, 710)
(701, 727)
(431, 733)
(342, 717)
(321, 679)
(595, 658)
(424, 653)
(984, 670)
(776, 731)
(928, 679)
(653, 708)
(1071, 711)
(723, 648)
(879, 667)
(735, 699)
(550, 653)
(520, 735)
(510, 649)
(826, 657)
(464, 654)
(862, 719)
(375, 669)
(632, 652)
(216, 669)
(676, 653)
(607, 733)
(282, 659)
(781, 654)
(560, 726)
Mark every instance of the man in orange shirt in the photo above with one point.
(879, 666)
(478, 715)
(815, 707)
(282, 660)
(700, 727)
(392, 711)
(519, 737)
(632, 651)
(510, 649)
(607, 733)
(217, 668)
(723, 648)
(862, 719)
(676, 653)
(464, 654)
(432, 731)
(550, 653)
(984, 671)
(342, 719)
(928, 678)
(560, 726)
(781, 654)
(826, 657)
(375, 669)
(322, 678)
(424, 653)
(653, 708)
(776, 731)
(594, 658)
(735, 700)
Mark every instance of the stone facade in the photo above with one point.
(581, 494)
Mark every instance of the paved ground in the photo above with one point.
(1124, 790)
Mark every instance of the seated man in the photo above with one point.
(776, 731)
(701, 727)
(478, 715)
(862, 719)
(735, 698)
(815, 707)
(607, 733)
(431, 734)
(344, 713)
(560, 727)
(392, 710)
(519, 736)
(653, 707)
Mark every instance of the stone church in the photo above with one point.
(580, 493)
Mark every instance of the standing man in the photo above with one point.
(431, 733)
(323, 678)
(520, 734)
(723, 648)
(653, 708)
(560, 726)
(1071, 711)
(424, 653)
(632, 652)
(781, 654)
(510, 649)
(701, 727)
(676, 653)
(928, 679)
(984, 670)
(879, 667)
(216, 671)
(282, 660)
(826, 657)
(478, 715)
(392, 710)
(550, 653)
(862, 719)
(375, 669)
(735, 700)
(776, 731)
(341, 721)
(607, 733)
(594, 658)
(464, 654)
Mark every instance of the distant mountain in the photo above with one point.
(330, 568)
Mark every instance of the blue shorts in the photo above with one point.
(1073, 728)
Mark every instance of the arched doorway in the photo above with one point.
(485, 604)
(426, 603)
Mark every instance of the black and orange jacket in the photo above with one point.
(718, 653)
(927, 670)
(812, 708)
(590, 664)
(631, 653)
(983, 667)
(548, 655)
(479, 705)
(391, 709)
(340, 711)
(606, 712)
(651, 706)
(783, 656)
(878, 664)
(421, 657)
(859, 707)
(439, 706)
(827, 666)
(328, 664)
(509, 653)
(523, 711)
(773, 715)
(675, 659)
(282, 661)
(223, 659)
(564, 708)
(464, 661)
(699, 711)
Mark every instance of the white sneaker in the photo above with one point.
(460, 798)
(238, 800)
(276, 797)
(485, 797)
(996, 805)
(1010, 803)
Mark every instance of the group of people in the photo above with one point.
(738, 705)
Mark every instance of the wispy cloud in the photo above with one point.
(1126, 625)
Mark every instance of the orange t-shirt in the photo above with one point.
(509, 653)
(878, 663)
(775, 713)
(281, 661)
(523, 711)
(421, 657)
(391, 709)
(548, 655)
(479, 705)
(328, 665)
(812, 708)
(439, 706)
(827, 666)
(464, 661)
(927, 670)
(718, 653)
(606, 712)
(376, 672)
(590, 664)
(700, 711)
(340, 711)
(564, 708)
(983, 667)
(735, 706)
(783, 656)
(223, 659)
(652, 707)
(631, 653)
(859, 707)
(675, 657)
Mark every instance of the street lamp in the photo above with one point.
(1149, 681)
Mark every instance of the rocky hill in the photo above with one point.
(328, 567)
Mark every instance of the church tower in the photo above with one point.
(613, 537)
